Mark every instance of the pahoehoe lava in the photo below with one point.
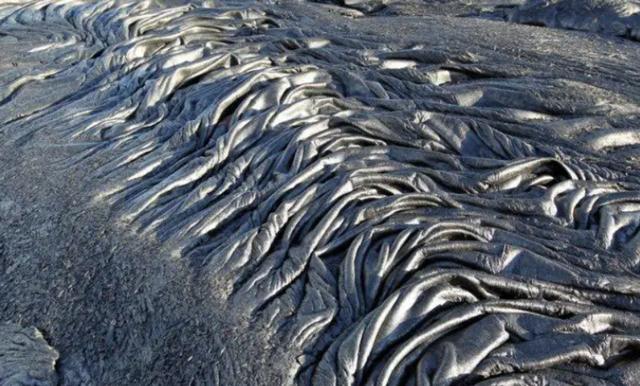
(400, 199)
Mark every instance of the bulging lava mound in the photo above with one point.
(402, 200)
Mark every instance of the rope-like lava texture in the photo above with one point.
(422, 214)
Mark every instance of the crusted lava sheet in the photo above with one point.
(403, 200)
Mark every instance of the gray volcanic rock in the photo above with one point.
(287, 192)
(457, 8)
(613, 17)
(25, 357)
(617, 17)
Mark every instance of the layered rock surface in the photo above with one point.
(396, 200)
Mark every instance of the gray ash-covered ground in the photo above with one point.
(611, 17)
(319, 193)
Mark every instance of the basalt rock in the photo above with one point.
(406, 202)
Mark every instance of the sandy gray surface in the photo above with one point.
(117, 306)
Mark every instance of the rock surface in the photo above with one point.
(25, 357)
(616, 17)
(346, 193)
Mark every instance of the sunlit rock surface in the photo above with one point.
(25, 357)
(399, 199)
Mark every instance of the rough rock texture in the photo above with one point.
(340, 196)
(25, 357)
(616, 17)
